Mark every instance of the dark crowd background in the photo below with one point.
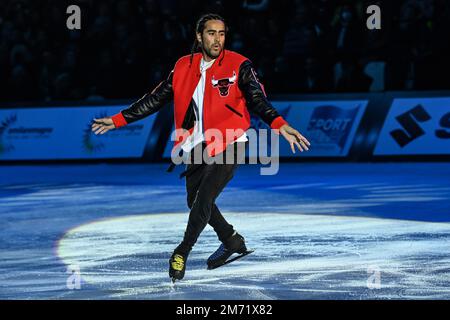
(126, 47)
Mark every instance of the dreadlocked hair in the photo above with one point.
(200, 26)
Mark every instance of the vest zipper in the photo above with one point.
(234, 110)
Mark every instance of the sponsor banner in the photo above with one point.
(417, 126)
(65, 133)
(330, 126)
(169, 145)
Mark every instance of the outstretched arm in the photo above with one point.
(103, 125)
(258, 103)
(145, 106)
(294, 138)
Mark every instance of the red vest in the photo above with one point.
(224, 105)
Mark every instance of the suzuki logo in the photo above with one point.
(410, 123)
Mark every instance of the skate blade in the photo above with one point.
(231, 260)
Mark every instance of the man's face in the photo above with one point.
(213, 38)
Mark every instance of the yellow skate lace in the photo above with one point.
(178, 262)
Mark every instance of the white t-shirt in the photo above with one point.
(197, 135)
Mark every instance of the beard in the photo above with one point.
(211, 52)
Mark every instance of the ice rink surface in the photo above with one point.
(319, 231)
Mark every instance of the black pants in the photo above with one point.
(204, 183)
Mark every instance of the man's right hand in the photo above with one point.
(103, 125)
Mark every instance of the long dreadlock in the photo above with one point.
(200, 26)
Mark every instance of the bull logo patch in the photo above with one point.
(224, 84)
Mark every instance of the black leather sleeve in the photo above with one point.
(255, 97)
(150, 102)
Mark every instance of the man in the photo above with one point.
(212, 91)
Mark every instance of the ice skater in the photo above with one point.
(212, 88)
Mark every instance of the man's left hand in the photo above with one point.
(294, 138)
